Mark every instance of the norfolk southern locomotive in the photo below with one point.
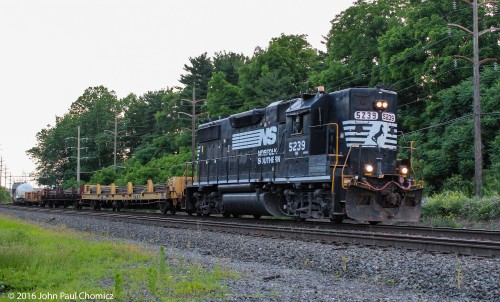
(324, 155)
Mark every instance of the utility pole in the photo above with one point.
(193, 132)
(114, 148)
(1, 170)
(193, 116)
(478, 155)
(78, 157)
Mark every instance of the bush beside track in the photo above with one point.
(456, 209)
(4, 195)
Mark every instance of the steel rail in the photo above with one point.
(438, 244)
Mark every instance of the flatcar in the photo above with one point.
(166, 197)
(320, 156)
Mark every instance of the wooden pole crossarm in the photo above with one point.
(491, 29)
(483, 3)
(472, 62)
(462, 28)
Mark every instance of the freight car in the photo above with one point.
(324, 155)
(165, 197)
(19, 192)
(33, 198)
(57, 197)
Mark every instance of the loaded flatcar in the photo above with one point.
(324, 155)
(165, 197)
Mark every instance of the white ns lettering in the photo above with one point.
(268, 135)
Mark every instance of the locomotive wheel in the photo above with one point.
(374, 222)
(226, 214)
(256, 216)
(337, 219)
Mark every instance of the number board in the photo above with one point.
(366, 115)
(388, 117)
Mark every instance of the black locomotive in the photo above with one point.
(324, 155)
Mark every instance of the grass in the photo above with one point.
(36, 260)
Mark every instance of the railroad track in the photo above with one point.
(440, 240)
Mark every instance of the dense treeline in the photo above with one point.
(403, 43)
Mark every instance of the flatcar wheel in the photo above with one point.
(226, 214)
(236, 215)
(256, 216)
(374, 222)
(169, 207)
(163, 208)
(299, 219)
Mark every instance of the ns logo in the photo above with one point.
(255, 138)
(268, 136)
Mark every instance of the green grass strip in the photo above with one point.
(59, 264)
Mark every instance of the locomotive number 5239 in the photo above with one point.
(296, 146)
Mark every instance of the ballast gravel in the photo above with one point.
(288, 270)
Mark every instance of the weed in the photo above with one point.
(306, 263)
(118, 286)
(459, 273)
(345, 260)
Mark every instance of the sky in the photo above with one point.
(52, 50)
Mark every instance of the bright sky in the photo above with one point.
(52, 50)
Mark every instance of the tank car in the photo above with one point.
(321, 156)
(20, 192)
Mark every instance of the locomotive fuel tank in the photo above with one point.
(253, 203)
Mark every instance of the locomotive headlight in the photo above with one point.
(403, 170)
(381, 105)
(368, 169)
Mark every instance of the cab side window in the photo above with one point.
(298, 124)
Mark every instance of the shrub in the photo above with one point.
(482, 209)
(449, 205)
(445, 204)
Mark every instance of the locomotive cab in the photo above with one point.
(378, 185)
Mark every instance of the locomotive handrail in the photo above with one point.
(345, 163)
(336, 154)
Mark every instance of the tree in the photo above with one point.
(280, 71)
(352, 43)
(448, 149)
(223, 97)
(145, 127)
(55, 152)
(229, 63)
(199, 74)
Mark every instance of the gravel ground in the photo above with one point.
(288, 270)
